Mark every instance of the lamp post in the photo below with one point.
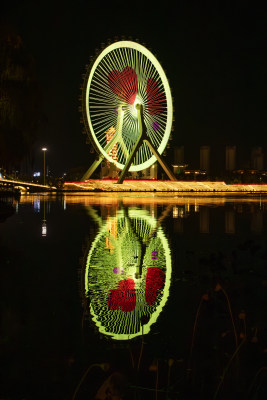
(44, 149)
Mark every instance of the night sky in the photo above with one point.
(214, 57)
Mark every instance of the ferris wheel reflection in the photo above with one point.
(127, 272)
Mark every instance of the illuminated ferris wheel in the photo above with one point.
(127, 274)
(127, 108)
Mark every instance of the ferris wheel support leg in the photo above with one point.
(143, 138)
(160, 160)
(142, 128)
(93, 167)
(129, 161)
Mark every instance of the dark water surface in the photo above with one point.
(133, 297)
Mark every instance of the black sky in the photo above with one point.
(214, 56)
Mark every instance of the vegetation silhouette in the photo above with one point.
(20, 101)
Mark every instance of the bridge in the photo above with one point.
(24, 186)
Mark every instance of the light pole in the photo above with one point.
(44, 149)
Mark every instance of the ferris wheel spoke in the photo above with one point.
(126, 144)
(96, 112)
(102, 119)
(99, 97)
(118, 59)
(101, 132)
(123, 148)
(101, 129)
(100, 78)
(155, 141)
(123, 59)
(104, 122)
(104, 116)
(148, 151)
(110, 62)
(129, 61)
(100, 81)
(141, 153)
(156, 132)
(117, 64)
(121, 157)
(131, 125)
(100, 92)
(142, 83)
(104, 70)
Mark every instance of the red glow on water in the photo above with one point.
(123, 297)
(155, 279)
(156, 100)
(124, 84)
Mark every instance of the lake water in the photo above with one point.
(134, 297)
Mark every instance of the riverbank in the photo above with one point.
(101, 185)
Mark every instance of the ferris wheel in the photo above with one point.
(127, 108)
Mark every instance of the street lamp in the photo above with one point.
(44, 149)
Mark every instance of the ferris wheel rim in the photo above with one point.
(167, 92)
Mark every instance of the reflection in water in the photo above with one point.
(36, 204)
(128, 272)
(204, 222)
(178, 226)
(44, 223)
(210, 339)
(175, 212)
(257, 222)
(44, 228)
(229, 221)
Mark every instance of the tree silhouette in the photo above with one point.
(20, 108)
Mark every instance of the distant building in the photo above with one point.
(230, 158)
(205, 158)
(179, 155)
(257, 158)
(178, 164)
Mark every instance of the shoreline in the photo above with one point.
(100, 186)
(178, 187)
